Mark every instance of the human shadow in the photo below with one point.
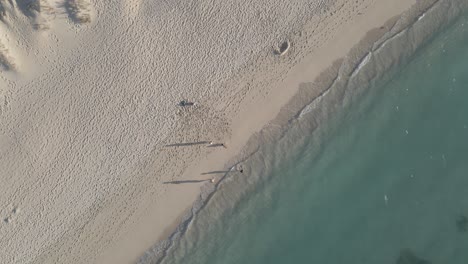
(214, 172)
(187, 181)
(187, 144)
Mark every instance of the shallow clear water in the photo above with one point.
(388, 184)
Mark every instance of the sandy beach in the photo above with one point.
(97, 160)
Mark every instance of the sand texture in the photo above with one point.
(97, 159)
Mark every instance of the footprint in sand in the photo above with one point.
(8, 219)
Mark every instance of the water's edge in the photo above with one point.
(335, 89)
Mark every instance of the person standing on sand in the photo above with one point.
(212, 144)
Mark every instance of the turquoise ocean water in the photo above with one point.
(385, 181)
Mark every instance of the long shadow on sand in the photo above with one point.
(214, 172)
(187, 144)
(187, 181)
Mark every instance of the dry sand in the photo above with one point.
(88, 94)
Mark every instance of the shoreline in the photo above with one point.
(356, 59)
(296, 102)
(87, 133)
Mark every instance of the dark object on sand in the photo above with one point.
(462, 223)
(187, 181)
(407, 257)
(185, 103)
(282, 48)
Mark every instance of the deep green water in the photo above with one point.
(389, 184)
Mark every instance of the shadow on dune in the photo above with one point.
(77, 11)
(29, 7)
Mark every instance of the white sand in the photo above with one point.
(88, 94)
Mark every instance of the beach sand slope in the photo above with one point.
(90, 127)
